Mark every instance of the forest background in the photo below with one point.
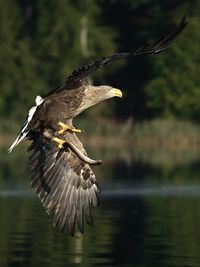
(42, 42)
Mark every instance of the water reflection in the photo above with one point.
(149, 216)
(137, 231)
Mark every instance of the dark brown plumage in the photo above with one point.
(65, 185)
(61, 171)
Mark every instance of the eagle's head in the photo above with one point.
(96, 94)
(104, 92)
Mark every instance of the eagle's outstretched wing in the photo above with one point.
(164, 42)
(151, 49)
(65, 185)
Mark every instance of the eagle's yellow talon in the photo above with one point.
(75, 130)
(62, 131)
(66, 127)
(59, 141)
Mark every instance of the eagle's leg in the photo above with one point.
(65, 127)
(81, 155)
(63, 144)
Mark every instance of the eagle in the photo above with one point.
(61, 171)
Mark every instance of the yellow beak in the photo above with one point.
(117, 92)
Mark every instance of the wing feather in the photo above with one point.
(151, 49)
(65, 185)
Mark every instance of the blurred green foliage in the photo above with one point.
(43, 41)
(174, 90)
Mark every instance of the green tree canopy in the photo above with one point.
(41, 43)
(174, 90)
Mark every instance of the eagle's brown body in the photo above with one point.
(61, 173)
(58, 107)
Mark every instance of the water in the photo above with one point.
(149, 216)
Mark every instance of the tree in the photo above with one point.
(174, 90)
(17, 65)
(42, 43)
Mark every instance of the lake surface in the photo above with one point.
(149, 216)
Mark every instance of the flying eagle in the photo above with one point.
(61, 171)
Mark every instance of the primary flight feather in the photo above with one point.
(61, 171)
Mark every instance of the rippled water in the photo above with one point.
(149, 216)
(133, 230)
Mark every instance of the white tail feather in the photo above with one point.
(17, 141)
(22, 134)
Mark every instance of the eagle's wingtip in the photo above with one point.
(9, 150)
